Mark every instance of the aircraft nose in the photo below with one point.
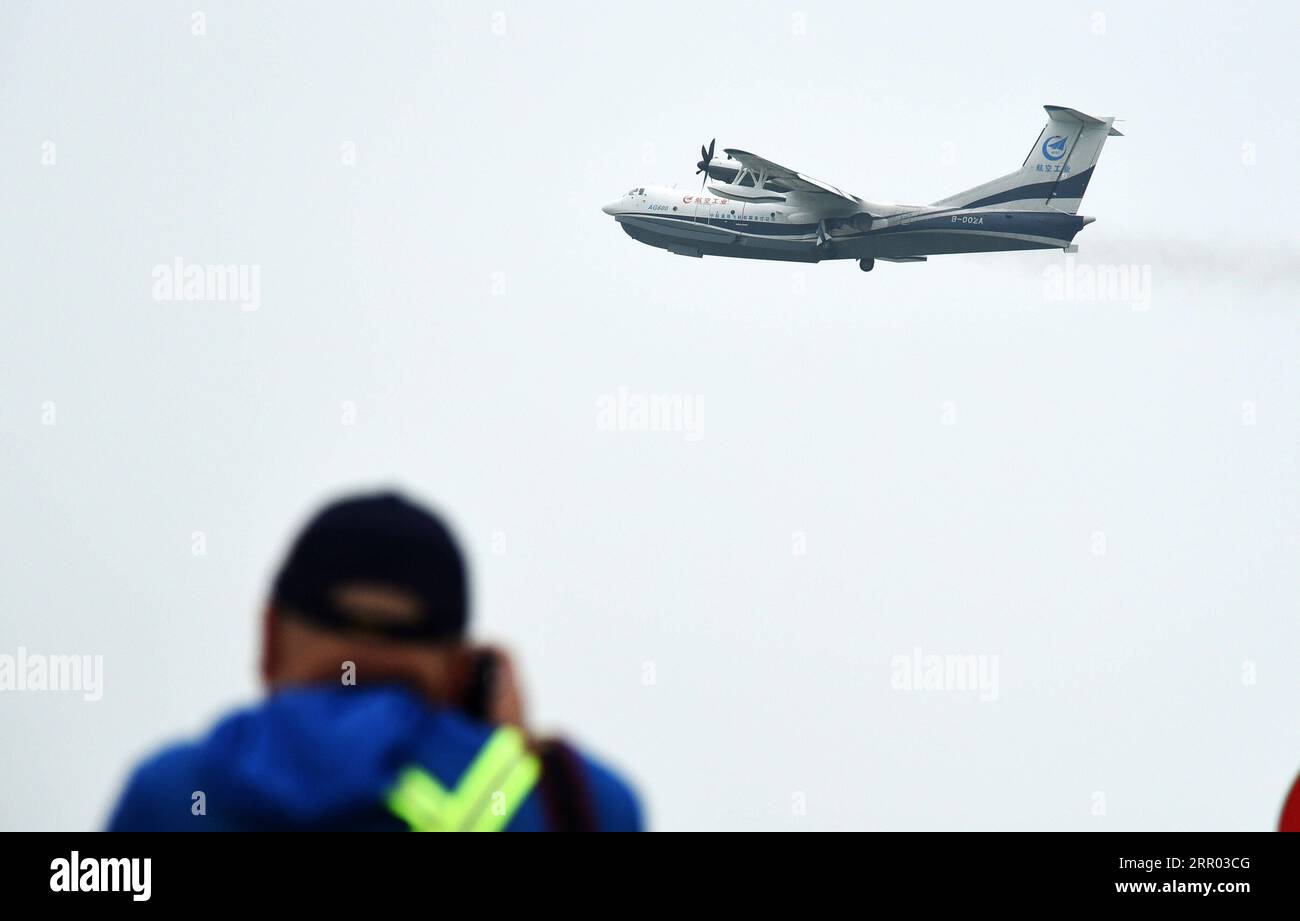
(612, 207)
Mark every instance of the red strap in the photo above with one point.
(564, 788)
(1290, 820)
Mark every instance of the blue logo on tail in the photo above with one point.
(1054, 147)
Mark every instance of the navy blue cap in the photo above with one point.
(377, 564)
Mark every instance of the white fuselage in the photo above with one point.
(712, 203)
(801, 226)
(751, 208)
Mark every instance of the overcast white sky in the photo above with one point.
(944, 441)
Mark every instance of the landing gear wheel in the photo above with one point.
(866, 265)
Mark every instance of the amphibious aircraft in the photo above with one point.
(752, 208)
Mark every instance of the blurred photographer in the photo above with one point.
(380, 715)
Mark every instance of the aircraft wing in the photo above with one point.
(793, 180)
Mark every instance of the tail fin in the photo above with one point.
(1056, 172)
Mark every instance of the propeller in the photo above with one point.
(824, 240)
(706, 157)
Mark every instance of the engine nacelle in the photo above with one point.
(744, 192)
(723, 169)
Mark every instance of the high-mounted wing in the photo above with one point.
(783, 179)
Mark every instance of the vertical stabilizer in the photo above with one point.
(1055, 174)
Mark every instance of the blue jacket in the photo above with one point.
(324, 758)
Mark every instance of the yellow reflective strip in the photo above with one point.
(504, 801)
(504, 746)
(498, 780)
(419, 800)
